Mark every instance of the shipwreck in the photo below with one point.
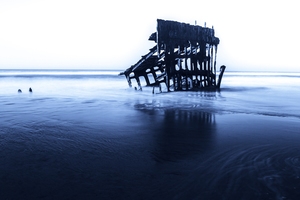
(183, 58)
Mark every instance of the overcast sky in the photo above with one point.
(113, 34)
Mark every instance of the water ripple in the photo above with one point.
(259, 172)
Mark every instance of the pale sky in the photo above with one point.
(113, 34)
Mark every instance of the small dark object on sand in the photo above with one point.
(30, 90)
(19, 90)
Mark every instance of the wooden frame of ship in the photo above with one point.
(184, 59)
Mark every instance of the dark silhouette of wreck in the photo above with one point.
(184, 58)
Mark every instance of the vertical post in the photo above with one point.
(138, 81)
(211, 65)
(205, 64)
(146, 79)
(179, 81)
(186, 68)
(167, 59)
(172, 65)
(215, 68)
(222, 69)
(179, 60)
(191, 57)
(200, 60)
(128, 80)
(158, 46)
(208, 67)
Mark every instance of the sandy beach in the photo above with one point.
(82, 137)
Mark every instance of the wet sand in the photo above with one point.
(87, 150)
(93, 138)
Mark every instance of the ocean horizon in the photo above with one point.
(85, 134)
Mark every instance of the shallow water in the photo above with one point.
(87, 135)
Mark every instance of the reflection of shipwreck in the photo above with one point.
(184, 58)
(178, 133)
